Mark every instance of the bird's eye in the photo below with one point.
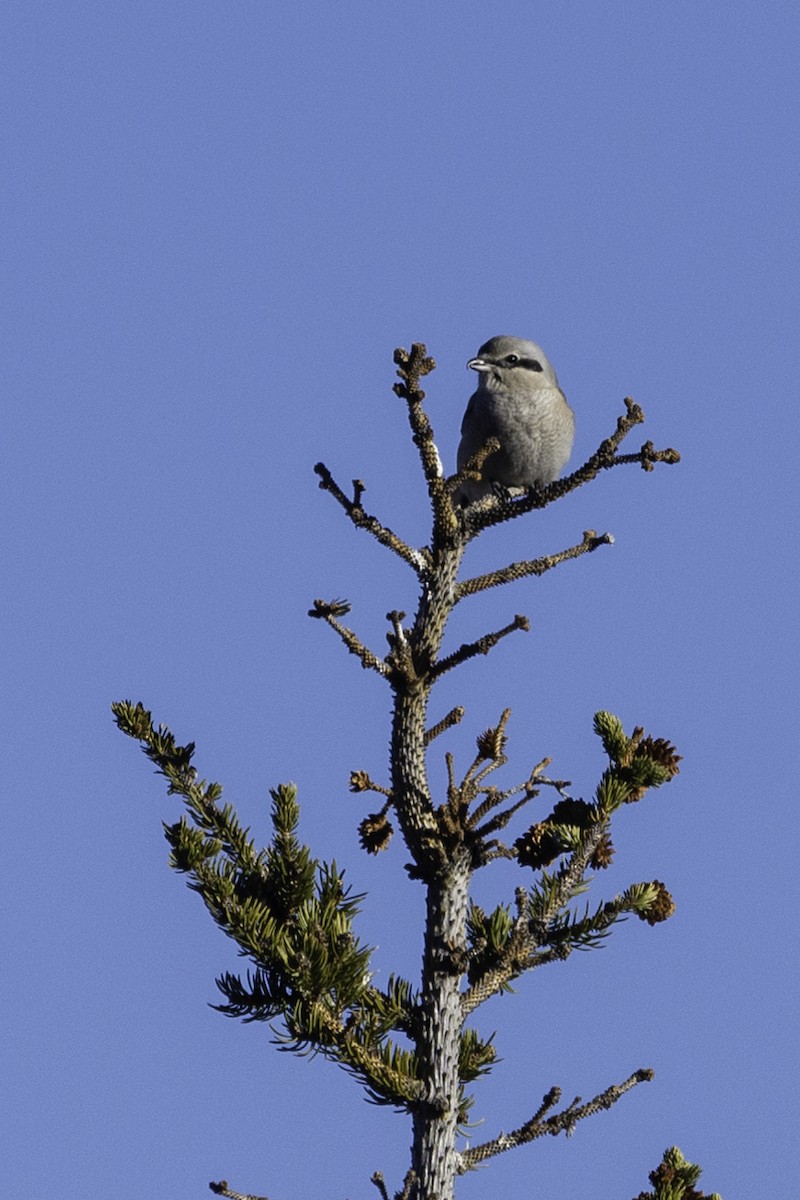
(511, 359)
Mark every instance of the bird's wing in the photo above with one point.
(468, 413)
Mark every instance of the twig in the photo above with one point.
(400, 658)
(408, 1186)
(329, 611)
(539, 1124)
(412, 365)
(501, 819)
(535, 566)
(417, 559)
(473, 466)
(380, 1184)
(360, 781)
(405, 1194)
(482, 646)
(222, 1189)
(453, 717)
(605, 457)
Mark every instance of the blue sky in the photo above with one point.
(218, 222)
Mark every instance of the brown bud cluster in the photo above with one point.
(491, 743)
(662, 907)
(602, 854)
(662, 752)
(329, 608)
(538, 847)
(375, 832)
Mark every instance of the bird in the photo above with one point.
(518, 401)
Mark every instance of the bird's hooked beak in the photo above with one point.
(479, 364)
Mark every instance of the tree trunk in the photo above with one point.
(434, 1157)
(434, 1154)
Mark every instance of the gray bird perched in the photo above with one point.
(519, 402)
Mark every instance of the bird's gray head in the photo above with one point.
(511, 362)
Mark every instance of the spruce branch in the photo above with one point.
(569, 931)
(674, 1179)
(500, 947)
(554, 892)
(388, 1072)
(395, 1007)
(416, 559)
(292, 917)
(536, 566)
(544, 929)
(540, 1124)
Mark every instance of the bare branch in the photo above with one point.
(563, 1122)
(417, 559)
(360, 781)
(408, 1186)
(400, 659)
(481, 646)
(481, 516)
(222, 1189)
(327, 611)
(411, 367)
(494, 797)
(535, 566)
(474, 464)
(380, 1184)
(492, 850)
(453, 718)
(407, 1190)
(501, 819)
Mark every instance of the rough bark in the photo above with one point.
(446, 878)
(434, 1156)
